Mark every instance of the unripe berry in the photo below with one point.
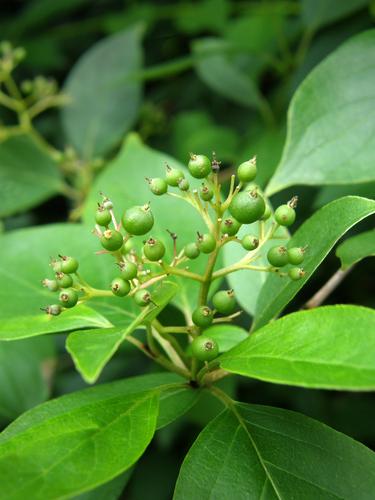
(69, 265)
(128, 270)
(204, 348)
(250, 242)
(191, 251)
(206, 243)
(102, 216)
(206, 192)
(138, 220)
(285, 215)
(267, 213)
(53, 310)
(68, 298)
(64, 280)
(184, 185)
(224, 301)
(158, 186)
(277, 256)
(127, 247)
(120, 287)
(52, 285)
(112, 240)
(230, 226)
(154, 249)
(174, 176)
(202, 316)
(142, 298)
(296, 255)
(247, 207)
(247, 171)
(296, 273)
(199, 166)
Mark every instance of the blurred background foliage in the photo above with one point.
(186, 76)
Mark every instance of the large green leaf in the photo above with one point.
(88, 437)
(262, 452)
(23, 366)
(329, 347)
(92, 349)
(24, 262)
(356, 248)
(320, 232)
(331, 126)
(110, 491)
(215, 67)
(105, 99)
(28, 176)
(124, 182)
(318, 13)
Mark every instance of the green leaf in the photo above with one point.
(226, 336)
(105, 99)
(21, 327)
(220, 73)
(356, 248)
(320, 232)
(92, 349)
(22, 380)
(124, 182)
(176, 401)
(331, 133)
(318, 13)
(329, 347)
(263, 452)
(89, 436)
(24, 262)
(28, 176)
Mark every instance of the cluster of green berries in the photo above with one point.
(64, 283)
(280, 256)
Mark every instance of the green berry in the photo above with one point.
(230, 226)
(127, 247)
(224, 301)
(191, 251)
(102, 216)
(206, 192)
(267, 213)
(68, 298)
(277, 256)
(296, 255)
(64, 280)
(120, 287)
(158, 186)
(202, 316)
(174, 176)
(52, 285)
(138, 220)
(249, 242)
(53, 310)
(206, 243)
(199, 166)
(56, 266)
(247, 171)
(184, 185)
(112, 240)
(204, 348)
(142, 298)
(247, 207)
(154, 249)
(128, 270)
(296, 273)
(69, 264)
(285, 215)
